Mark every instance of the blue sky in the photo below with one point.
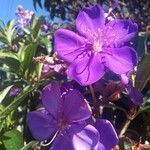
(8, 8)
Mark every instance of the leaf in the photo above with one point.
(10, 31)
(27, 31)
(145, 109)
(35, 71)
(27, 55)
(29, 145)
(35, 2)
(16, 102)
(13, 140)
(11, 60)
(2, 23)
(4, 92)
(36, 26)
(47, 43)
(143, 73)
(39, 67)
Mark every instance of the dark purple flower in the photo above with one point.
(135, 96)
(44, 27)
(45, 69)
(98, 45)
(65, 119)
(14, 91)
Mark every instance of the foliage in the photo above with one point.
(28, 63)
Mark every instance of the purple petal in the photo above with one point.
(108, 136)
(86, 70)
(135, 95)
(51, 98)
(100, 146)
(68, 44)
(88, 138)
(124, 79)
(121, 30)
(77, 138)
(89, 20)
(41, 125)
(121, 60)
(75, 107)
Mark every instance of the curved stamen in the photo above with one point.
(50, 142)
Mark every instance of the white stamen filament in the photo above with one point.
(47, 144)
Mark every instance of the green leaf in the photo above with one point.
(13, 140)
(2, 23)
(27, 31)
(39, 67)
(47, 43)
(11, 60)
(36, 26)
(4, 92)
(143, 73)
(16, 102)
(3, 39)
(145, 109)
(30, 145)
(27, 54)
(10, 31)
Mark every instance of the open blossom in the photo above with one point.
(64, 121)
(64, 117)
(97, 46)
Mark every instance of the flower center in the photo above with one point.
(63, 124)
(97, 46)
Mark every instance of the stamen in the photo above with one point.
(50, 142)
(97, 46)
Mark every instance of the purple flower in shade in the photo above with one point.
(24, 16)
(108, 135)
(44, 27)
(64, 120)
(135, 96)
(14, 91)
(98, 45)
(45, 69)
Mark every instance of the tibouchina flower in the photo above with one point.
(97, 45)
(64, 120)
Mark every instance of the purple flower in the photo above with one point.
(44, 27)
(24, 16)
(64, 120)
(14, 91)
(135, 96)
(97, 46)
